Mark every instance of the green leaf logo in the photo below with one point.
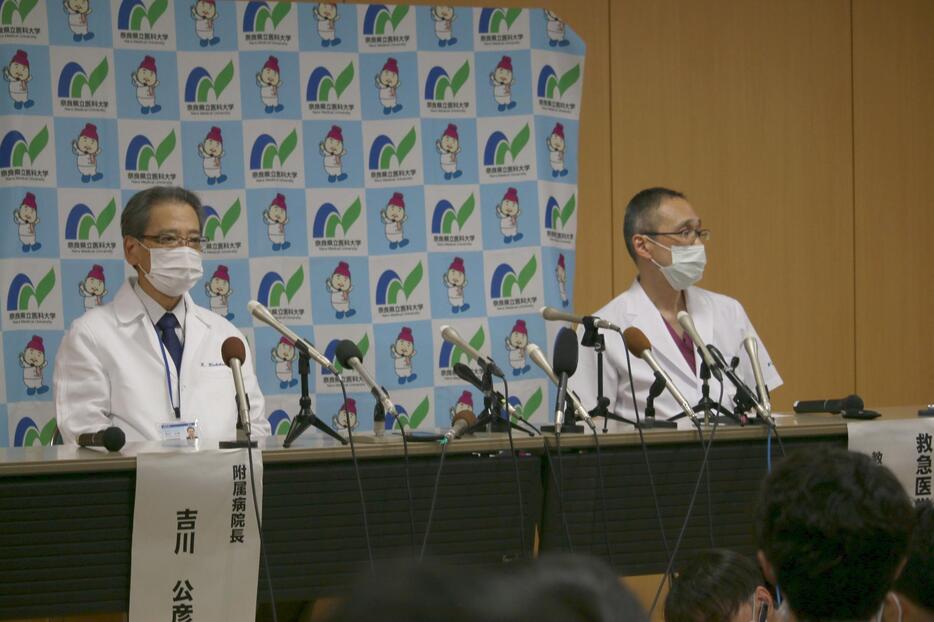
(344, 78)
(223, 79)
(11, 8)
(418, 415)
(563, 83)
(476, 342)
(400, 152)
(283, 152)
(531, 405)
(93, 82)
(511, 148)
(276, 15)
(507, 281)
(35, 146)
(160, 154)
(100, 223)
(35, 437)
(406, 287)
(291, 287)
(40, 292)
(393, 19)
(464, 212)
(224, 223)
(454, 84)
(348, 218)
(152, 15)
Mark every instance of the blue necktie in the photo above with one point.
(167, 325)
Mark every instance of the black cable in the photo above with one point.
(259, 527)
(557, 485)
(408, 486)
(645, 456)
(778, 437)
(687, 516)
(434, 497)
(606, 527)
(515, 464)
(356, 470)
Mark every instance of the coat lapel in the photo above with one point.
(196, 330)
(647, 318)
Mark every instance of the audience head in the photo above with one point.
(832, 530)
(718, 586)
(916, 583)
(560, 588)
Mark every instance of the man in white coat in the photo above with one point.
(152, 356)
(665, 238)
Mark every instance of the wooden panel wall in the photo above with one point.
(893, 54)
(745, 107)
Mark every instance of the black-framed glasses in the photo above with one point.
(685, 235)
(196, 242)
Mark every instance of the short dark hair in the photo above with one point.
(834, 526)
(640, 211)
(135, 217)
(712, 587)
(917, 579)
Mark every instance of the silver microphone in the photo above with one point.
(752, 349)
(233, 352)
(449, 334)
(538, 357)
(638, 344)
(687, 323)
(556, 315)
(262, 314)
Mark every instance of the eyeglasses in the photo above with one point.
(685, 235)
(196, 242)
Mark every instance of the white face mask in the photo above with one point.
(687, 265)
(174, 271)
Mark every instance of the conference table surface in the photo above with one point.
(66, 513)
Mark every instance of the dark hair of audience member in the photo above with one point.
(834, 527)
(561, 588)
(917, 579)
(712, 587)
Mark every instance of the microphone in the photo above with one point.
(462, 421)
(743, 392)
(234, 354)
(349, 355)
(467, 375)
(262, 314)
(564, 363)
(687, 323)
(111, 438)
(849, 403)
(538, 357)
(556, 315)
(486, 363)
(752, 349)
(638, 345)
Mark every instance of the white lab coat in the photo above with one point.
(720, 320)
(109, 371)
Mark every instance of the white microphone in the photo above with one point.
(556, 315)
(462, 421)
(262, 314)
(752, 349)
(453, 337)
(687, 323)
(233, 352)
(638, 344)
(538, 357)
(349, 355)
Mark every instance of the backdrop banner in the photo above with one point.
(369, 172)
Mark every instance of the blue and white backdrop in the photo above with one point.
(370, 172)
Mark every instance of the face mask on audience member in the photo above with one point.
(174, 271)
(687, 264)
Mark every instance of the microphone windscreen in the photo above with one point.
(853, 402)
(564, 360)
(233, 348)
(345, 351)
(636, 341)
(114, 438)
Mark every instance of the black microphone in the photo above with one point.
(112, 438)
(564, 363)
(467, 375)
(844, 404)
(349, 356)
(743, 392)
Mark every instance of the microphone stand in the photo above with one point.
(706, 405)
(306, 416)
(649, 421)
(592, 338)
(492, 413)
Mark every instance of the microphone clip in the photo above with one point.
(592, 338)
